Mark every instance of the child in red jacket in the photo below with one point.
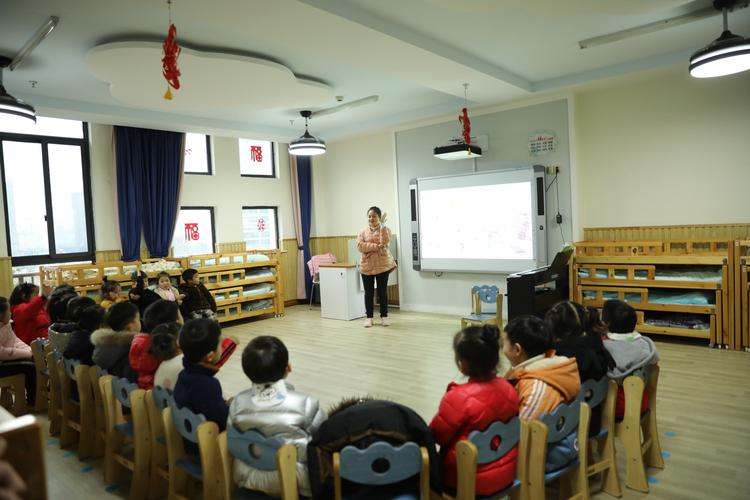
(29, 312)
(473, 406)
(142, 360)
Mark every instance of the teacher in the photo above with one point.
(375, 263)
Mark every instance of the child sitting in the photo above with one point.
(140, 294)
(57, 309)
(166, 290)
(273, 408)
(631, 351)
(89, 319)
(473, 406)
(197, 388)
(110, 293)
(164, 347)
(29, 312)
(198, 301)
(112, 343)
(142, 361)
(15, 355)
(75, 305)
(542, 379)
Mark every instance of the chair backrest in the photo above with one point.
(593, 392)
(121, 389)
(253, 448)
(486, 293)
(100, 372)
(70, 367)
(162, 397)
(562, 421)
(380, 463)
(37, 351)
(186, 422)
(507, 432)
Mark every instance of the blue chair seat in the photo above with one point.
(125, 428)
(403, 490)
(551, 476)
(192, 465)
(245, 494)
(501, 494)
(602, 433)
(479, 317)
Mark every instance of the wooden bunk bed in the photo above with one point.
(742, 302)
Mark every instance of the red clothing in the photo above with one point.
(30, 319)
(473, 407)
(620, 405)
(143, 362)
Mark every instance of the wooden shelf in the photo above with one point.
(645, 306)
(716, 260)
(245, 298)
(239, 265)
(242, 282)
(693, 285)
(247, 314)
(670, 330)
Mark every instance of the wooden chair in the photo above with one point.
(25, 450)
(79, 417)
(54, 408)
(127, 441)
(646, 452)
(403, 462)
(478, 450)
(552, 428)
(100, 436)
(603, 393)
(157, 399)
(13, 393)
(261, 453)
(42, 374)
(485, 294)
(186, 469)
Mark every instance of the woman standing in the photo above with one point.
(376, 263)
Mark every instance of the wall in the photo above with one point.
(508, 132)
(664, 149)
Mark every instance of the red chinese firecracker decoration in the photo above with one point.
(169, 62)
(464, 119)
(191, 231)
(256, 154)
(261, 225)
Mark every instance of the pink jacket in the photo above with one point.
(375, 260)
(314, 263)
(11, 347)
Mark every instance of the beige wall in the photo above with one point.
(352, 176)
(664, 149)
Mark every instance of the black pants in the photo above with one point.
(27, 368)
(369, 282)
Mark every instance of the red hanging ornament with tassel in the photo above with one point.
(169, 61)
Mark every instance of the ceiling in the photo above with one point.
(414, 54)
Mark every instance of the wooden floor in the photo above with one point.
(703, 400)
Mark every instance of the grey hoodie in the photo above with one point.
(112, 350)
(631, 352)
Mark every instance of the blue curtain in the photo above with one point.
(304, 181)
(149, 172)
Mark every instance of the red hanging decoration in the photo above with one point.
(169, 62)
(464, 119)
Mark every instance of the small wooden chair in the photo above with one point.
(13, 393)
(550, 429)
(118, 455)
(646, 452)
(403, 462)
(485, 294)
(157, 399)
(25, 450)
(42, 374)
(54, 409)
(261, 453)
(478, 450)
(100, 436)
(185, 469)
(595, 393)
(79, 417)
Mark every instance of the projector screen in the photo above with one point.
(483, 222)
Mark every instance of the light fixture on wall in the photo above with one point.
(307, 144)
(11, 108)
(726, 55)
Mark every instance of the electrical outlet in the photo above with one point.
(552, 169)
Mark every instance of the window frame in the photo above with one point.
(45, 140)
(276, 217)
(213, 224)
(273, 161)
(208, 159)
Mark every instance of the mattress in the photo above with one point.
(257, 289)
(257, 305)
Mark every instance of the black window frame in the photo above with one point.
(45, 140)
(273, 161)
(276, 217)
(208, 159)
(213, 222)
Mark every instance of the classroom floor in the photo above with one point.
(703, 397)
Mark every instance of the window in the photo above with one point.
(197, 154)
(256, 158)
(47, 191)
(260, 228)
(194, 231)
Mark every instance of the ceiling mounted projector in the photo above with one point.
(459, 151)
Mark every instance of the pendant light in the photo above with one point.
(13, 109)
(307, 144)
(726, 55)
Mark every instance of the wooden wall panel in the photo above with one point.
(231, 247)
(337, 245)
(6, 277)
(107, 255)
(656, 233)
(289, 268)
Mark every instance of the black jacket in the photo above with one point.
(197, 298)
(80, 347)
(112, 351)
(146, 297)
(360, 425)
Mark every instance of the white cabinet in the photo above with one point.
(341, 296)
